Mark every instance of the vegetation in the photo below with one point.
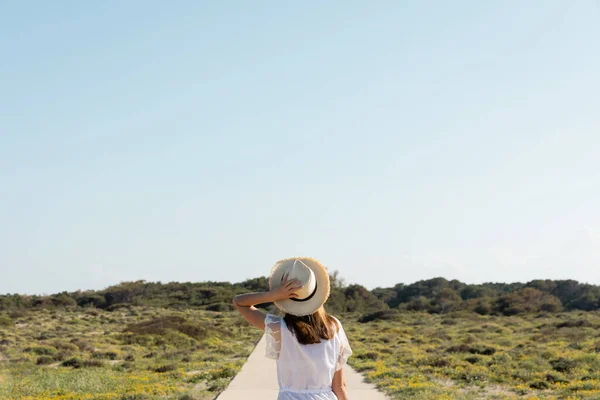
(465, 356)
(435, 296)
(136, 353)
(433, 339)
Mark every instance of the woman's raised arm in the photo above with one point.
(245, 303)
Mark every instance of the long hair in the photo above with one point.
(310, 329)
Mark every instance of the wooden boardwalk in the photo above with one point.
(258, 381)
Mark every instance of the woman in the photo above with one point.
(310, 346)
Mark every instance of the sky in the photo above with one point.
(394, 141)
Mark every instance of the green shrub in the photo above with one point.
(18, 313)
(563, 364)
(92, 364)
(556, 378)
(105, 355)
(128, 366)
(472, 359)
(378, 316)
(6, 321)
(577, 323)
(218, 385)
(136, 396)
(165, 368)
(63, 355)
(188, 396)
(438, 362)
(371, 355)
(44, 360)
(171, 338)
(70, 347)
(41, 350)
(449, 321)
(473, 349)
(224, 372)
(539, 385)
(222, 307)
(46, 335)
(72, 362)
(120, 306)
(82, 344)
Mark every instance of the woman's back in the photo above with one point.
(309, 345)
(305, 372)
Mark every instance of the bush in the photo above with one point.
(539, 385)
(69, 347)
(128, 366)
(448, 321)
(223, 372)
(188, 396)
(83, 345)
(5, 320)
(46, 335)
(44, 360)
(105, 355)
(119, 306)
(93, 364)
(223, 307)
(136, 396)
(528, 300)
(438, 362)
(63, 355)
(371, 355)
(160, 326)
(72, 362)
(165, 368)
(555, 378)
(577, 323)
(459, 348)
(378, 316)
(483, 350)
(18, 313)
(472, 359)
(41, 350)
(475, 349)
(563, 364)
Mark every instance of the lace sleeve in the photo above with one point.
(345, 350)
(273, 336)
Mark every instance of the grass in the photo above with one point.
(143, 353)
(467, 356)
(128, 354)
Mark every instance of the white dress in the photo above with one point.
(304, 372)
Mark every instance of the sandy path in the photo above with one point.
(258, 381)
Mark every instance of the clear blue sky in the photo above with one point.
(395, 141)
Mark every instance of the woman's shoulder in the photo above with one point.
(338, 323)
(272, 319)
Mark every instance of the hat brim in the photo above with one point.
(301, 308)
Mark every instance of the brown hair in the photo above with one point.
(310, 329)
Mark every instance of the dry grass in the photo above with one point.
(467, 356)
(130, 353)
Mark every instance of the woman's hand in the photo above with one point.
(244, 303)
(287, 290)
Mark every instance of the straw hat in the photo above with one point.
(315, 284)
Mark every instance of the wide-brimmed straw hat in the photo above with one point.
(315, 284)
